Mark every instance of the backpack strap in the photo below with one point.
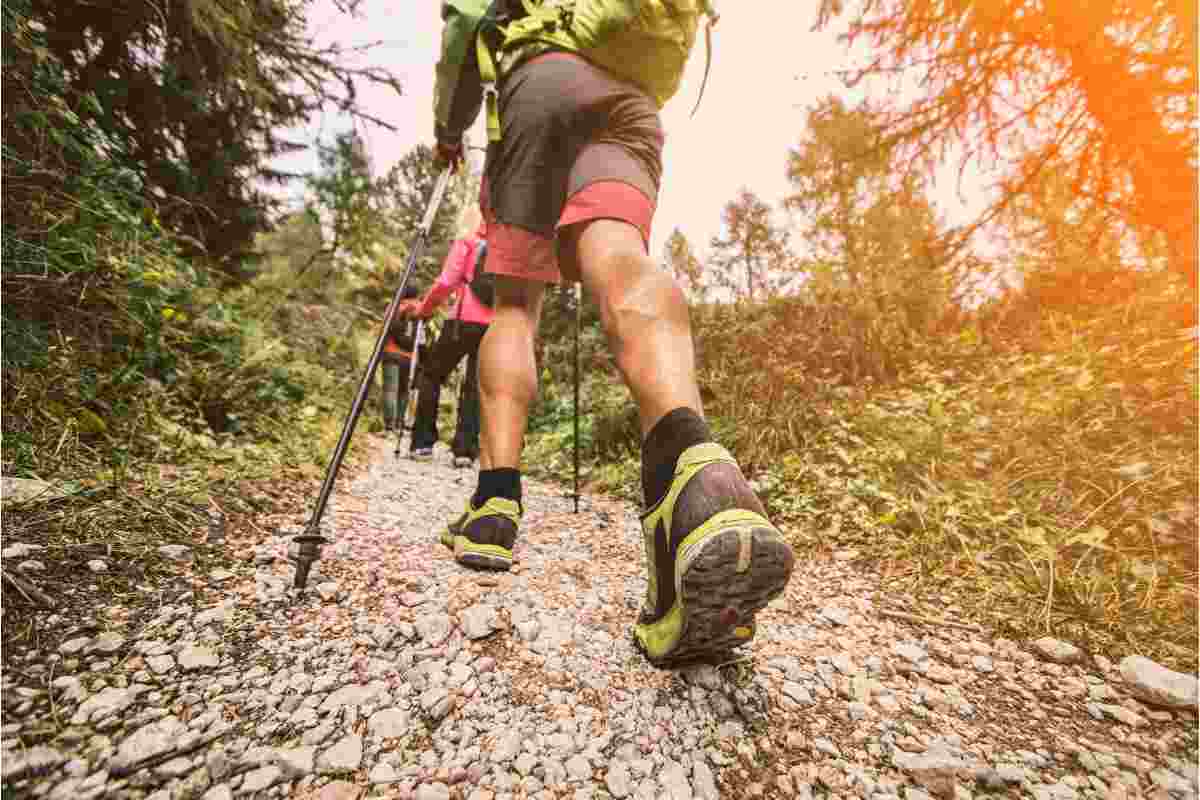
(491, 96)
(713, 18)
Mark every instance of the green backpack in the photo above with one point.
(645, 42)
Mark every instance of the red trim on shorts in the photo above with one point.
(520, 253)
(515, 251)
(610, 200)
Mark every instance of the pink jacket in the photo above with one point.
(457, 272)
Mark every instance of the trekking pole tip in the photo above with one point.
(307, 551)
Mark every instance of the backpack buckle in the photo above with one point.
(491, 105)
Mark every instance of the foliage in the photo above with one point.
(1106, 94)
(132, 377)
(188, 99)
(1053, 487)
(875, 252)
(752, 246)
(409, 185)
(681, 261)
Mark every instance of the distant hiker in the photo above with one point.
(397, 360)
(462, 274)
(572, 92)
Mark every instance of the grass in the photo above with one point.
(1044, 480)
(152, 470)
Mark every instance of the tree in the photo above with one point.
(871, 234)
(348, 201)
(752, 248)
(192, 96)
(681, 262)
(839, 168)
(409, 185)
(1104, 93)
(1069, 252)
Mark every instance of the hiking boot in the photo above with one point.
(483, 537)
(713, 558)
(421, 453)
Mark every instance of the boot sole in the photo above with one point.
(478, 556)
(721, 582)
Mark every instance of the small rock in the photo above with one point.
(383, 772)
(479, 620)
(109, 701)
(675, 783)
(196, 657)
(19, 550)
(296, 762)
(74, 646)
(1057, 651)
(160, 664)
(936, 769)
(836, 615)
(1122, 714)
(436, 702)
(339, 790)
(389, 723)
(434, 628)
(433, 791)
(617, 779)
(149, 741)
(578, 768)
(798, 693)
(33, 762)
(1158, 685)
(982, 664)
(507, 748)
(703, 783)
(911, 654)
(97, 565)
(107, 644)
(939, 673)
(525, 763)
(176, 552)
(261, 778)
(345, 755)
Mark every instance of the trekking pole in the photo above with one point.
(412, 377)
(578, 323)
(308, 543)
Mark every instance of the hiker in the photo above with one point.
(459, 337)
(396, 365)
(571, 180)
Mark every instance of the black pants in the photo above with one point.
(457, 339)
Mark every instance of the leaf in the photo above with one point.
(90, 422)
(1092, 537)
(1084, 380)
(1035, 536)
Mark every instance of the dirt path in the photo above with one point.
(404, 675)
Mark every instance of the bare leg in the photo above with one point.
(508, 371)
(645, 317)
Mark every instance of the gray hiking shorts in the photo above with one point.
(577, 145)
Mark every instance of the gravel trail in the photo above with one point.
(404, 675)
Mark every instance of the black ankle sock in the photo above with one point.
(670, 436)
(502, 482)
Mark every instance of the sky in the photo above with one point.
(768, 70)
